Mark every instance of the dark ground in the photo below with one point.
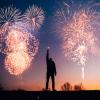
(49, 95)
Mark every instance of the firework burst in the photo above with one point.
(78, 28)
(20, 50)
(17, 62)
(18, 44)
(9, 15)
(34, 17)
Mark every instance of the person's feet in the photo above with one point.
(46, 89)
(54, 90)
(49, 90)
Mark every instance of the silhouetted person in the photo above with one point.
(51, 71)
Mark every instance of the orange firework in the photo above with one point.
(18, 57)
(17, 62)
(16, 40)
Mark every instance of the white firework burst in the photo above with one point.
(9, 15)
(34, 17)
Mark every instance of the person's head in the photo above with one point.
(51, 59)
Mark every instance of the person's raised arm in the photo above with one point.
(47, 55)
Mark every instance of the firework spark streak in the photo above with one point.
(79, 32)
(16, 42)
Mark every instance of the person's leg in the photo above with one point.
(47, 81)
(53, 82)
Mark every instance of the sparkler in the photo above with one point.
(78, 28)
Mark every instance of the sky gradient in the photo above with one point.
(67, 71)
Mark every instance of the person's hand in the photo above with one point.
(48, 48)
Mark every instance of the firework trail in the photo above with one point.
(16, 42)
(78, 28)
(82, 69)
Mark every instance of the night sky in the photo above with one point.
(67, 71)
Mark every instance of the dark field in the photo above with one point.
(49, 95)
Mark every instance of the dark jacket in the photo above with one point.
(51, 68)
